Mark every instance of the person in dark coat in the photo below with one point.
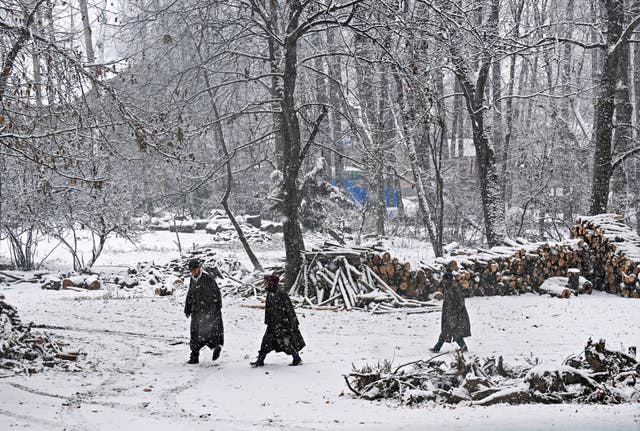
(204, 306)
(455, 323)
(282, 334)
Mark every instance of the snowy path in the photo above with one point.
(136, 343)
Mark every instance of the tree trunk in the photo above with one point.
(434, 226)
(219, 136)
(275, 56)
(322, 99)
(490, 185)
(382, 135)
(496, 127)
(35, 57)
(566, 76)
(51, 84)
(335, 120)
(504, 157)
(595, 53)
(623, 188)
(603, 127)
(227, 192)
(636, 164)
(86, 29)
(292, 160)
(12, 53)
(457, 122)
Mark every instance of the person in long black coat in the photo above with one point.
(283, 333)
(204, 306)
(455, 323)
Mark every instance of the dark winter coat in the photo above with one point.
(204, 305)
(282, 334)
(455, 319)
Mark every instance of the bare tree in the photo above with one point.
(617, 39)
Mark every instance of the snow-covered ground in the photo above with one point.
(142, 343)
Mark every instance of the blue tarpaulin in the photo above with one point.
(360, 193)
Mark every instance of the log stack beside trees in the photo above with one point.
(614, 262)
(604, 254)
(358, 278)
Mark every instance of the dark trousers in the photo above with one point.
(196, 346)
(262, 355)
(441, 341)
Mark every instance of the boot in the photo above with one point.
(193, 359)
(297, 360)
(437, 347)
(259, 362)
(462, 344)
(216, 352)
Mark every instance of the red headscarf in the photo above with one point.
(272, 281)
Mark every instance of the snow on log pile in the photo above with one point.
(219, 226)
(25, 351)
(71, 281)
(165, 279)
(346, 278)
(604, 255)
(149, 277)
(222, 230)
(510, 270)
(614, 264)
(598, 376)
(368, 278)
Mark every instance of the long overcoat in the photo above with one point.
(204, 305)
(455, 319)
(282, 334)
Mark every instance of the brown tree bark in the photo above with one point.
(617, 37)
(474, 93)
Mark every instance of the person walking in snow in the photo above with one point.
(282, 334)
(455, 323)
(204, 306)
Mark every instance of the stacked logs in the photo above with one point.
(604, 254)
(338, 278)
(77, 282)
(605, 251)
(513, 270)
(614, 261)
(398, 275)
(520, 268)
(24, 350)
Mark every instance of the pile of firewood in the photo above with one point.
(509, 270)
(600, 376)
(614, 261)
(71, 281)
(345, 278)
(398, 275)
(605, 254)
(164, 279)
(78, 282)
(517, 269)
(24, 350)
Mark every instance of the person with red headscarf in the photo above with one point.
(282, 334)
